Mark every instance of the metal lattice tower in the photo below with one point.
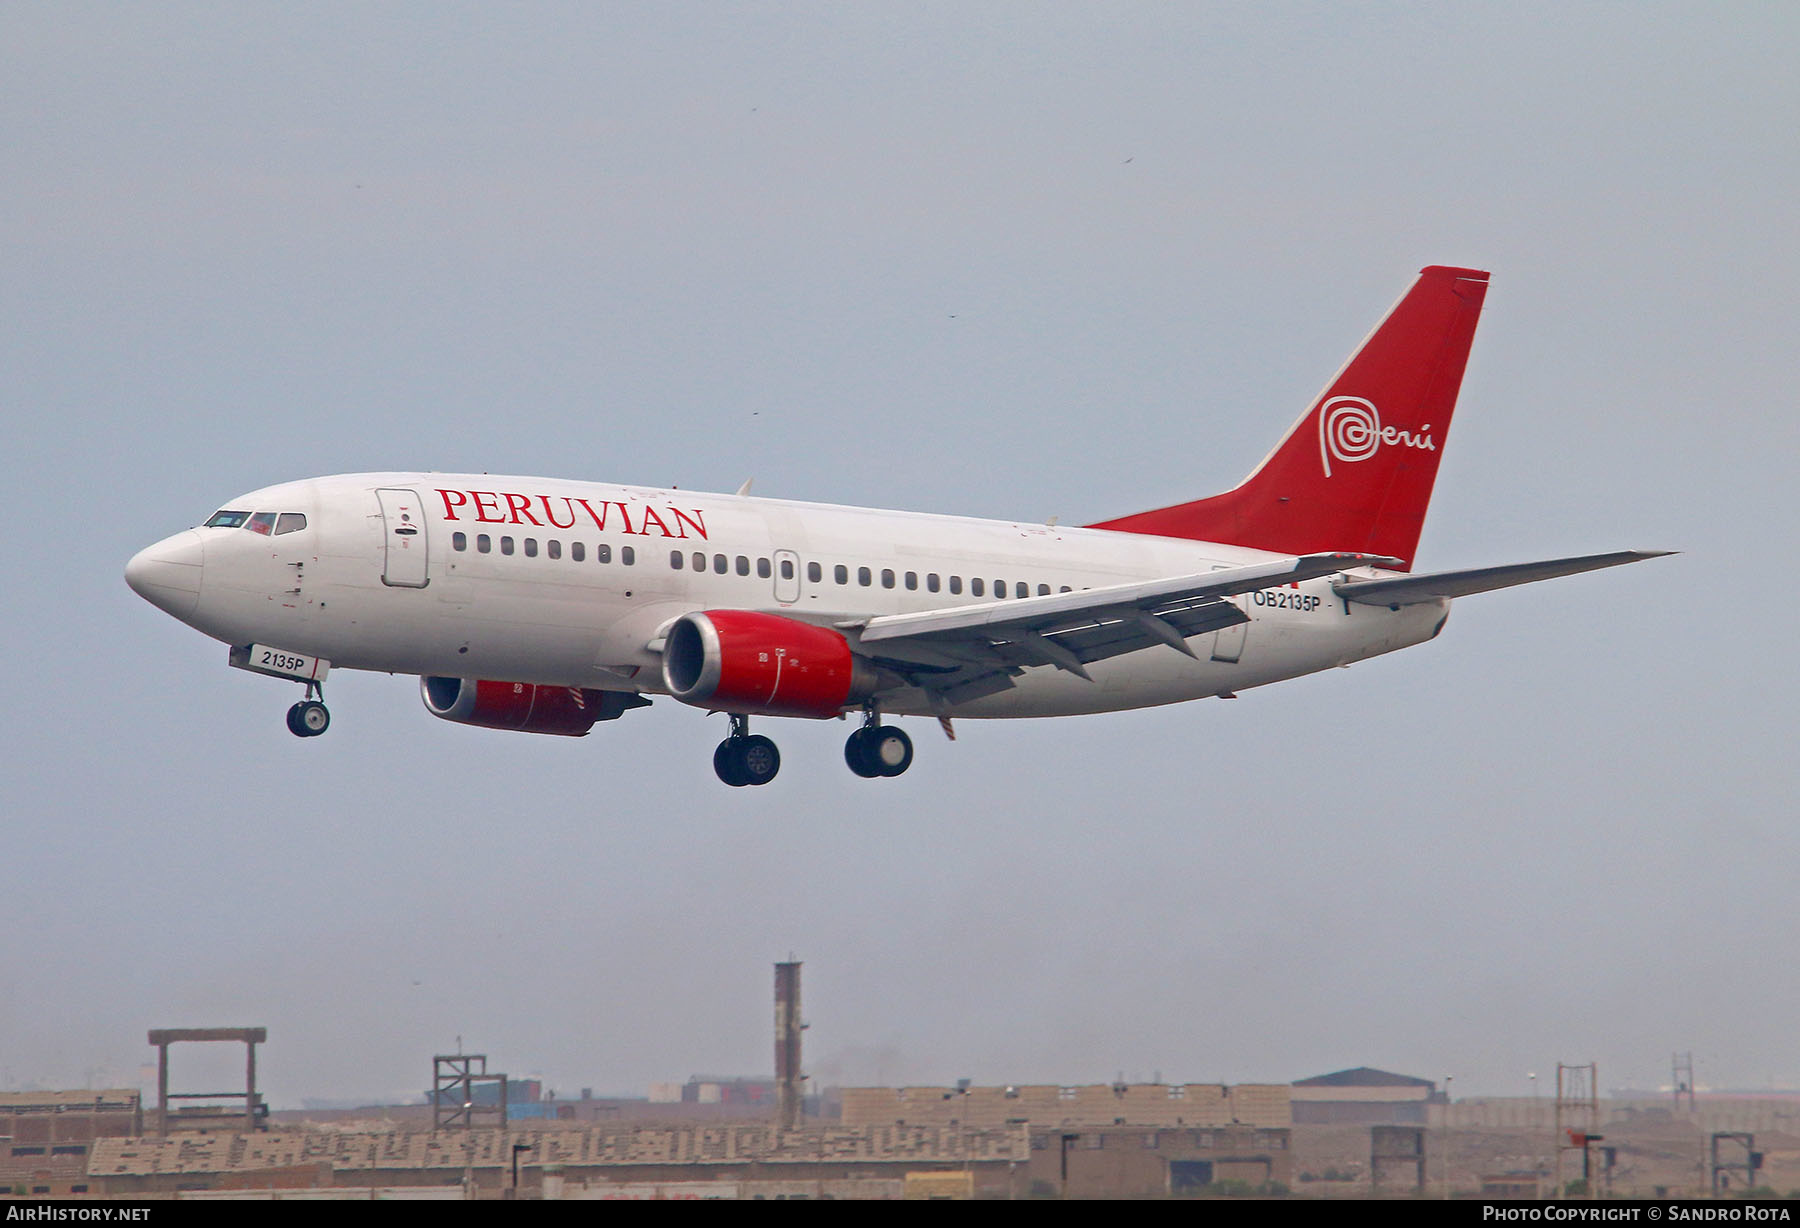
(1577, 1120)
(1682, 1078)
(1743, 1161)
(455, 1102)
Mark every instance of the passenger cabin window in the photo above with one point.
(931, 581)
(290, 522)
(763, 570)
(627, 556)
(887, 577)
(976, 589)
(864, 576)
(743, 566)
(1022, 589)
(814, 572)
(483, 543)
(506, 545)
(603, 553)
(531, 547)
(675, 559)
(577, 552)
(699, 561)
(262, 522)
(1043, 590)
(459, 541)
(227, 520)
(956, 586)
(841, 574)
(553, 549)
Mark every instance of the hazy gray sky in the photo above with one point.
(995, 259)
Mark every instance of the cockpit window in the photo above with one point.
(227, 520)
(290, 522)
(262, 522)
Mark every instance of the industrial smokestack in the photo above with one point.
(787, 1045)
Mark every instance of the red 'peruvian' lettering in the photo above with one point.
(697, 520)
(649, 515)
(599, 518)
(551, 516)
(518, 510)
(486, 500)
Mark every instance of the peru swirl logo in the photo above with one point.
(1350, 430)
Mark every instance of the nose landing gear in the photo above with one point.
(877, 749)
(746, 758)
(309, 718)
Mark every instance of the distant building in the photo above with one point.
(733, 1090)
(1091, 1104)
(1363, 1097)
(486, 1092)
(720, 1160)
(725, 1098)
(1110, 1140)
(46, 1138)
(1157, 1161)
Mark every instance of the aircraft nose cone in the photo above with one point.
(167, 575)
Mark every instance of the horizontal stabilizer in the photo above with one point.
(1413, 590)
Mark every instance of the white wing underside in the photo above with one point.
(965, 652)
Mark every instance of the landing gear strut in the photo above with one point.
(746, 758)
(309, 718)
(877, 749)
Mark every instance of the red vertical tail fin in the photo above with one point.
(1356, 471)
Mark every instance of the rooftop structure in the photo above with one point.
(1094, 1104)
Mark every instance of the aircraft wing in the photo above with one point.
(965, 652)
(1413, 590)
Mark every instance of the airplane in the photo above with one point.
(548, 606)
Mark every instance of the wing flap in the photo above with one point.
(967, 652)
(1057, 611)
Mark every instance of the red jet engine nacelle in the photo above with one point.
(526, 706)
(763, 664)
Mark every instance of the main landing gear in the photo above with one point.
(746, 758)
(877, 749)
(309, 718)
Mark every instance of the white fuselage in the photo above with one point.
(572, 584)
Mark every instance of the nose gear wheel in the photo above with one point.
(308, 719)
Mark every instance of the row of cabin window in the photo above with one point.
(840, 573)
(765, 569)
(553, 548)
